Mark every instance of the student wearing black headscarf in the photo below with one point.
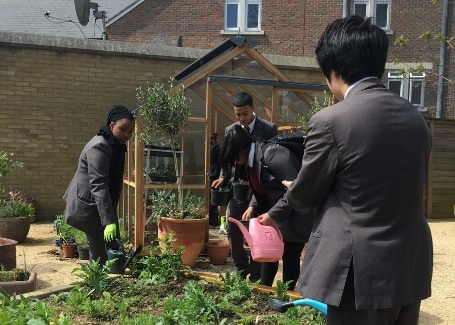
(93, 194)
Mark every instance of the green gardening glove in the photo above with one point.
(110, 232)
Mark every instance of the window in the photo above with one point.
(242, 16)
(410, 86)
(378, 9)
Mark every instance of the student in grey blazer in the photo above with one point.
(260, 130)
(369, 256)
(93, 194)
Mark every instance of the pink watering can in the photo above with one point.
(265, 242)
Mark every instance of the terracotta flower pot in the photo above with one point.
(68, 249)
(187, 232)
(218, 251)
(8, 253)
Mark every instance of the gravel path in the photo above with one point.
(44, 257)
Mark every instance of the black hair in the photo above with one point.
(354, 48)
(119, 112)
(237, 140)
(242, 99)
(213, 136)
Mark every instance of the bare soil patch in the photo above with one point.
(41, 255)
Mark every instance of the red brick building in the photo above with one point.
(292, 28)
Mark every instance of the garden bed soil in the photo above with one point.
(42, 256)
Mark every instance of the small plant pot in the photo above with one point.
(83, 253)
(8, 253)
(242, 192)
(218, 251)
(57, 243)
(68, 249)
(220, 196)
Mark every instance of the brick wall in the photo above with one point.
(54, 99)
(55, 93)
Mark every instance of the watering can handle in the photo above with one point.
(277, 230)
(118, 243)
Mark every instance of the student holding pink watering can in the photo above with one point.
(266, 166)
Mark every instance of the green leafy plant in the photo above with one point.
(28, 310)
(316, 107)
(196, 307)
(281, 289)
(12, 204)
(162, 204)
(94, 276)
(81, 238)
(16, 209)
(7, 165)
(164, 109)
(161, 265)
(65, 231)
(235, 287)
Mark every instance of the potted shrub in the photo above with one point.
(67, 235)
(165, 114)
(82, 244)
(15, 220)
(188, 224)
(15, 214)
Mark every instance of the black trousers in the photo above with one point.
(291, 266)
(214, 219)
(97, 247)
(346, 313)
(244, 263)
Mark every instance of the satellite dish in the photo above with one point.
(82, 11)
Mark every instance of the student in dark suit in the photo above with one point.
(93, 194)
(370, 255)
(260, 130)
(267, 165)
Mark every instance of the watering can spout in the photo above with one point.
(265, 242)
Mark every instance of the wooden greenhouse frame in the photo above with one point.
(213, 80)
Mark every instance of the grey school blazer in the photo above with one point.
(365, 166)
(89, 205)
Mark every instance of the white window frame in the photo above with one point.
(371, 9)
(242, 17)
(407, 81)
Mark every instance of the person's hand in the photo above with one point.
(218, 183)
(110, 232)
(287, 183)
(248, 213)
(265, 219)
